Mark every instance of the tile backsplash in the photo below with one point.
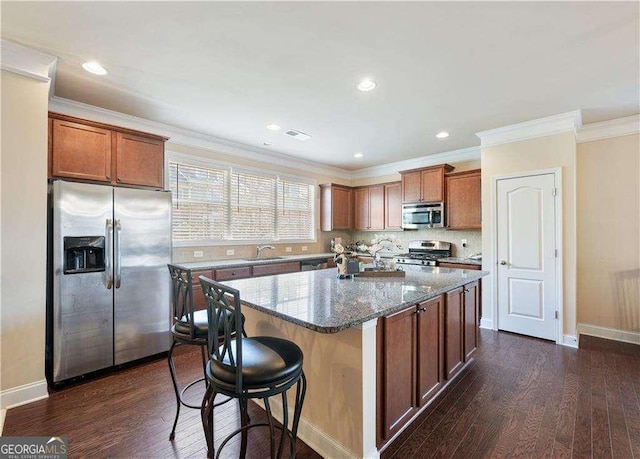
(473, 237)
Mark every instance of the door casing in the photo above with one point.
(559, 294)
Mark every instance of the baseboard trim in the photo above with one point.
(610, 333)
(21, 395)
(486, 323)
(323, 444)
(570, 341)
(3, 413)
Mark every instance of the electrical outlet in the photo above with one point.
(304, 248)
(464, 243)
(198, 254)
(231, 252)
(287, 249)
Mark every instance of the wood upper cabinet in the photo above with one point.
(336, 207)
(471, 293)
(463, 200)
(369, 207)
(95, 152)
(424, 185)
(79, 151)
(453, 332)
(393, 206)
(410, 363)
(139, 160)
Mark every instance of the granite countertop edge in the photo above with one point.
(241, 262)
(328, 329)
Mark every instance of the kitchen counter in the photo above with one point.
(318, 300)
(239, 262)
(461, 261)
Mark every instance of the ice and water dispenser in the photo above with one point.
(84, 254)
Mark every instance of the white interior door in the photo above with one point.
(526, 271)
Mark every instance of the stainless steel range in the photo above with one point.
(424, 253)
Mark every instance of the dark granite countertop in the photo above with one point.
(318, 300)
(238, 262)
(462, 261)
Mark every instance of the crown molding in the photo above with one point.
(189, 138)
(26, 61)
(455, 156)
(564, 122)
(607, 129)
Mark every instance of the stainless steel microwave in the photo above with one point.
(419, 216)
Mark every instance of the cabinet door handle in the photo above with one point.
(503, 262)
(119, 179)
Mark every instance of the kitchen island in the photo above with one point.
(336, 324)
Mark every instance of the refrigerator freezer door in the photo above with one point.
(142, 250)
(82, 305)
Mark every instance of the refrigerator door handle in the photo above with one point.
(116, 268)
(108, 278)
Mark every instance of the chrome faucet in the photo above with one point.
(262, 247)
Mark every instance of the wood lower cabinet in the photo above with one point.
(430, 349)
(393, 206)
(463, 203)
(471, 299)
(336, 207)
(445, 264)
(96, 152)
(276, 268)
(199, 301)
(232, 273)
(425, 184)
(453, 332)
(410, 353)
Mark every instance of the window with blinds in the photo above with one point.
(217, 204)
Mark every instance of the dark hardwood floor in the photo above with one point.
(524, 397)
(520, 397)
(129, 414)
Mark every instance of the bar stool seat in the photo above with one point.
(200, 325)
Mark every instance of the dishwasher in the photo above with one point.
(311, 265)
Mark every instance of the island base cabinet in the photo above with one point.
(430, 349)
(398, 370)
(471, 306)
(410, 357)
(454, 323)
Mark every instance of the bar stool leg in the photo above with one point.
(244, 421)
(285, 423)
(172, 370)
(206, 412)
(301, 390)
(272, 430)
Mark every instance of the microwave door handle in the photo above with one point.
(108, 278)
(430, 218)
(118, 259)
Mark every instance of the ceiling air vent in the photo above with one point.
(297, 134)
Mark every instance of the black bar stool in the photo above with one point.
(248, 368)
(190, 327)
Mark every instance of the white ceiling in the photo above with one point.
(229, 69)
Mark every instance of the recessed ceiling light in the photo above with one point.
(366, 85)
(94, 67)
(442, 135)
(273, 127)
(266, 144)
(358, 155)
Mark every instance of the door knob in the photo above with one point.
(503, 262)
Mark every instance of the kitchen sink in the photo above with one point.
(263, 258)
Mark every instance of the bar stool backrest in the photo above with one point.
(225, 326)
(182, 297)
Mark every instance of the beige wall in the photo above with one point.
(23, 178)
(608, 183)
(530, 155)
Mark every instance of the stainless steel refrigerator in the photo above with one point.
(109, 286)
